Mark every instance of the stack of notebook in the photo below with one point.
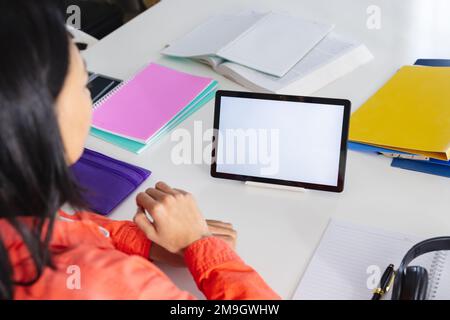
(139, 111)
(409, 119)
(271, 52)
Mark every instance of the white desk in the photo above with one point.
(279, 230)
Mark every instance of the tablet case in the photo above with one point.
(105, 181)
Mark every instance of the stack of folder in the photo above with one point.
(409, 119)
(140, 111)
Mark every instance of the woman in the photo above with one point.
(45, 112)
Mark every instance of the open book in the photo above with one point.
(327, 59)
(345, 263)
(270, 42)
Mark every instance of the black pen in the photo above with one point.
(385, 283)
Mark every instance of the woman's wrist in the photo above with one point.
(203, 236)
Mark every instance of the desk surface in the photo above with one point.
(279, 230)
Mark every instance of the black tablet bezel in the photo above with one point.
(278, 97)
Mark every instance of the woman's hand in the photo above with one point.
(224, 231)
(177, 221)
(218, 229)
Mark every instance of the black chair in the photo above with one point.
(98, 19)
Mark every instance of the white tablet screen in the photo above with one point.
(294, 141)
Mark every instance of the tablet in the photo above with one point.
(280, 139)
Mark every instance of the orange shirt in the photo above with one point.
(99, 258)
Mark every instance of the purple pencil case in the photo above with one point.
(105, 181)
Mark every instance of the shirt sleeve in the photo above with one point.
(125, 235)
(216, 268)
(221, 274)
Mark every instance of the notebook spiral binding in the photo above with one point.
(111, 93)
(116, 89)
(437, 266)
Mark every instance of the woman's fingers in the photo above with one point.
(145, 225)
(164, 187)
(156, 194)
(224, 231)
(148, 205)
(144, 200)
(228, 239)
(180, 191)
(220, 224)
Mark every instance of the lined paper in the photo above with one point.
(339, 267)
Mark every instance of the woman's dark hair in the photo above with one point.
(34, 177)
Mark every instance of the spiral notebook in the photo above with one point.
(345, 262)
(139, 108)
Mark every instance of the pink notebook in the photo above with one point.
(142, 105)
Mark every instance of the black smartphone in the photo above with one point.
(100, 85)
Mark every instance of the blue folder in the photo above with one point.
(423, 166)
(433, 166)
(362, 147)
(433, 62)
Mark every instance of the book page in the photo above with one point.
(212, 61)
(211, 36)
(342, 266)
(328, 50)
(275, 43)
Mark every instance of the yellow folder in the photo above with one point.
(410, 113)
